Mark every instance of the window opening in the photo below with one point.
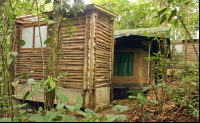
(31, 36)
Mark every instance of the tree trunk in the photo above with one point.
(53, 65)
(164, 52)
(164, 48)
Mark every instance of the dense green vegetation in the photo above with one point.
(174, 96)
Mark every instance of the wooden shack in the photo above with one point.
(87, 55)
(179, 56)
(191, 55)
(131, 70)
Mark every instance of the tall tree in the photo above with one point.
(164, 47)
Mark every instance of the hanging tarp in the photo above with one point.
(123, 64)
(163, 32)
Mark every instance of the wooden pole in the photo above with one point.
(91, 63)
(84, 65)
(112, 60)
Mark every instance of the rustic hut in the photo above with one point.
(131, 70)
(87, 55)
(180, 48)
(179, 56)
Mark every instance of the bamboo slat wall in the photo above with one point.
(191, 55)
(73, 52)
(30, 60)
(103, 45)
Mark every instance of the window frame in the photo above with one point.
(179, 45)
(33, 42)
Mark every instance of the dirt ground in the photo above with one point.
(150, 112)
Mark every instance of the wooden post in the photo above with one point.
(91, 63)
(112, 60)
(84, 63)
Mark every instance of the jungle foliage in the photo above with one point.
(181, 15)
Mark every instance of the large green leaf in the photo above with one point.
(18, 75)
(134, 91)
(37, 118)
(162, 11)
(164, 17)
(51, 22)
(87, 110)
(52, 115)
(122, 117)
(68, 118)
(87, 117)
(15, 83)
(20, 105)
(47, 40)
(47, 1)
(37, 87)
(81, 112)
(22, 42)
(22, 111)
(46, 19)
(5, 120)
(69, 22)
(79, 102)
(75, 13)
(120, 108)
(110, 118)
(132, 98)
(30, 81)
(25, 96)
(73, 28)
(62, 56)
(10, 15)
(59, 106)
(46, 81)
(187, 3)
(71, 108)
(173, 13)
(30, 95)
(52, 84)
(61, 96)
(142, 98)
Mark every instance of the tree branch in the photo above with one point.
(191, 39)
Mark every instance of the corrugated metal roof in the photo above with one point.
(163, 32)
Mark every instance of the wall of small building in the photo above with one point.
(140, 67)
(73, 62)
(87, 58)
(134, 80)
(146, 70)
(191, 56)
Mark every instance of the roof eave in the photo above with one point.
(101, 10)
